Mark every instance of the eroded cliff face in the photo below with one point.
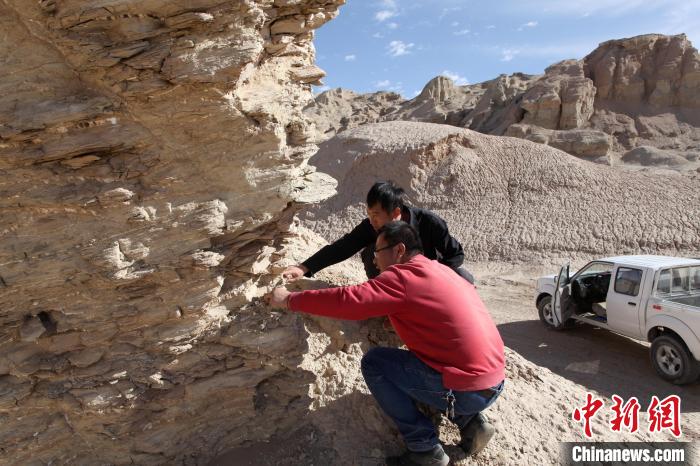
(152, 155)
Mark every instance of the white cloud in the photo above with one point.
(490, 26)
(392, 25)
(529, 24)
(508, 54)
(350, 57)
(463, 32)
(398, 48)
(378, 35)
(550, 52)
(448, 11)
(606, 7)
(455, 24)
(458, 80)
(383, 15)
(387, 85)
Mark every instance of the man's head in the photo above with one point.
(384, 203)
(397, 243)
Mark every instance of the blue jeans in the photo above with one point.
(397, 379)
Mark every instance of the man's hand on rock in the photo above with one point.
(278, 297)
(294, 272)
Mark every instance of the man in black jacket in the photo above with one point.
(385, 204)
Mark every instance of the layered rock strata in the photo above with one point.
(152, 156)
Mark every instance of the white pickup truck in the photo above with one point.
(650, 298)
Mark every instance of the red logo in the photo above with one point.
(665, 414)
(591, 408)
(662, 414)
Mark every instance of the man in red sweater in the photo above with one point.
(455, 359)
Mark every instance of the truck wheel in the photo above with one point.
(544, 308)
(673, 361)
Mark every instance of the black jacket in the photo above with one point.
(438, 244)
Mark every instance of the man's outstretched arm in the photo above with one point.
(338, 251)
(383, 295)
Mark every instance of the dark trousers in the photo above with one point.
(398, 379)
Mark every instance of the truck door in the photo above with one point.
(559, 285)
(624, 300)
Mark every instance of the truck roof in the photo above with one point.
(653, 262)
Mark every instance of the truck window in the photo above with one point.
(627, 281)
(694, 278)
(595, 268)
(678, 281)
(663, 286)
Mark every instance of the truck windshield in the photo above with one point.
(679, 281)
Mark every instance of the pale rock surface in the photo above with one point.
(651, 156)
(339, 109)
(509, 199)
(152, 157)
(584, 143)
(653, 69)
(562, 99)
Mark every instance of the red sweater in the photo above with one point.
(437, 314)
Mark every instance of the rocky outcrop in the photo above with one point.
(561, 99)
(655, 70)
(585, 143)
(651, 156)
(339, 109)
(505, 198)
(152, 154)
(641, 91)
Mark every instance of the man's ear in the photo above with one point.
(396, 212)
(402, 249)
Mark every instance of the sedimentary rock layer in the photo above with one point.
(152, 154)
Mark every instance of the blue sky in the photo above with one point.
(400, 45)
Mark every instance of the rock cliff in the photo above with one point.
(152, 155)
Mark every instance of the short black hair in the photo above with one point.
(387, 194)
(401, 232)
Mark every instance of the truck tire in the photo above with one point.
(672, 360)
(544, 310)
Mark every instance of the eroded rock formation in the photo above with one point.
(508, 199)
(641, 91)
(152, 154)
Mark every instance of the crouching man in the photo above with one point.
(455, 358)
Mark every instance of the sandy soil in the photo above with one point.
(548, 375)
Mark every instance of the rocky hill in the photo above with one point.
(642, 92)
(508, 199)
